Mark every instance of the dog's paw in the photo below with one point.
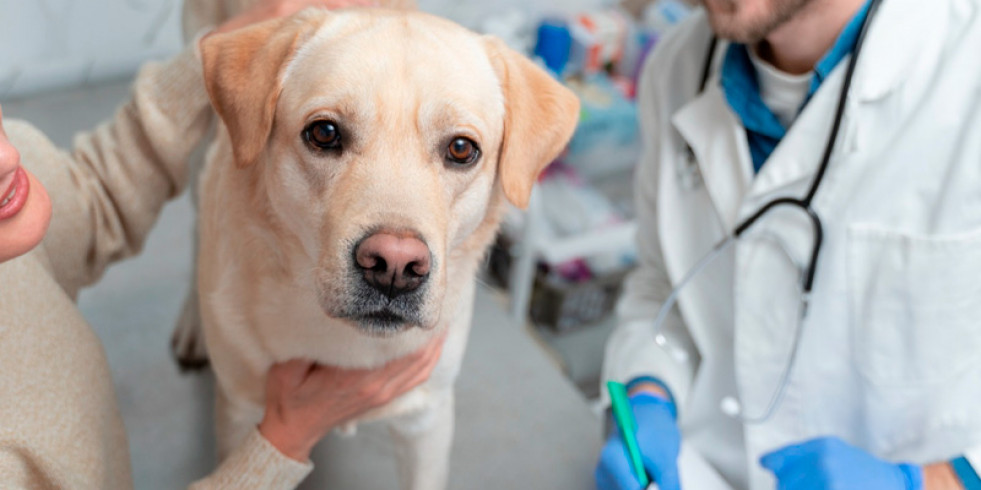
(187, 343)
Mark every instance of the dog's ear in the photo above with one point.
(243, 74)
(541, 116)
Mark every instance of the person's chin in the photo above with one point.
(23, 231)
(751, 21)
(731, 27)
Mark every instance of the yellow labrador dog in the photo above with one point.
(360, 172)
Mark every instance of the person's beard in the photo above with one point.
(729, 21)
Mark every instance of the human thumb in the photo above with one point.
(776, 460)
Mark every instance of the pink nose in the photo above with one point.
(393, 264)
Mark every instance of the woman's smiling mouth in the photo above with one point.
(15, 196)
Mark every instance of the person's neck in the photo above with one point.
(796, 46)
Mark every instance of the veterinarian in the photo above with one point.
(824, 218)
(64, 217)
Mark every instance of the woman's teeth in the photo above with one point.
(10, 196)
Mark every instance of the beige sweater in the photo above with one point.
(60, 426)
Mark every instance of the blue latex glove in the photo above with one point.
(830, 463)
(659, 441)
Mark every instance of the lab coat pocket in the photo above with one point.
(915, 305)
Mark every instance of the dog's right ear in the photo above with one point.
(243, 73)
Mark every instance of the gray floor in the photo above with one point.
(521, 424)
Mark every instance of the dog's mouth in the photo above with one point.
(383, 317)
(373, 311)
(377, 315)
(383, 322)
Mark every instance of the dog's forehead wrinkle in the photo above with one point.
(378, 46)
(335, 26)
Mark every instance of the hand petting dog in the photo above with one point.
(304, 401)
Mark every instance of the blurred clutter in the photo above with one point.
(570, 251)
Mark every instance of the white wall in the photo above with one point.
(47, 44)
(51, 44)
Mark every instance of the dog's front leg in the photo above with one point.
(422, 441)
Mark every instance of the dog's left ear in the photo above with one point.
(243, 73)
(541, 115)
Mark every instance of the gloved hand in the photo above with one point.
(830, 463)
(659, 441)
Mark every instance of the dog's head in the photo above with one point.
(381, 145)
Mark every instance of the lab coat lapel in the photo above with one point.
(720, 150)
(893, 48)
(799, 153)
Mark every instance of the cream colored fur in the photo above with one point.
(278, 220)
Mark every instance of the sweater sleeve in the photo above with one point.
(107, 192)
(256, 464)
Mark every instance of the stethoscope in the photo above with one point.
(730, 405)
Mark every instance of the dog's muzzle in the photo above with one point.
(392, 270)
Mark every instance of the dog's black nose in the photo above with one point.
(394, 264)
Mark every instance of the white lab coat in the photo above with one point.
(890, 354)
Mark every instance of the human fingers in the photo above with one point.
(374, 386)
(288, 376)
(613, 471)
(667, 478)
(409, 372)
(798, 466)
(798, 480)
(777, 461)
(421, 364)
(419, 372)
(416, 359)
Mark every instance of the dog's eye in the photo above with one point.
(462, 151)
(324, 135)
